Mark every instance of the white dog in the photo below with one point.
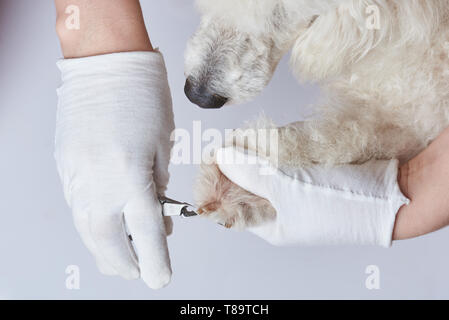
(383, 64)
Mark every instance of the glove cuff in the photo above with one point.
(396, 200)
(149, 61)
(98, 83)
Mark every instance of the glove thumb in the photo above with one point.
(143, 216)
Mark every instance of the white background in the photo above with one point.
(37, 237)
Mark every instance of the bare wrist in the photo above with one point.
(103, 28)
(425, 181)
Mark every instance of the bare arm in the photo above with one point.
(105, 27)
(425, 180)
(114, 110)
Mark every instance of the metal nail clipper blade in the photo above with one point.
(172, 208)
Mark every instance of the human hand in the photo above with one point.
(352, 204)
(425, 181)
(112, 150)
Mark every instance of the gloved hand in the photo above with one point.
(114, 121)
(351, 204)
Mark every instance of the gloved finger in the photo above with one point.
(161, 177)
(143, 216)
(250, 172)
(112, 243)
(105, 268)
(81, 222)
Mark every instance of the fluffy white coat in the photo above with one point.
(383, 66)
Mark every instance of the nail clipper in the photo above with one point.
(172, 208)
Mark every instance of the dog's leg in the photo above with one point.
(339, 136)
(350, 136)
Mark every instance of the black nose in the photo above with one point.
(202, 97)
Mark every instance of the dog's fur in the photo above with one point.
(386, 89)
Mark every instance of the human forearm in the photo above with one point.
(425, 181)
(105, 27)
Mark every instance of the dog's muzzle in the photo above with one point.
(202, 97)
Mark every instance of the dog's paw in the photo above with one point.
(226, 203)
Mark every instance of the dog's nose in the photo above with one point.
(202, 97)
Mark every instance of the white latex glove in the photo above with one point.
(113, 128)
(351, 204)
